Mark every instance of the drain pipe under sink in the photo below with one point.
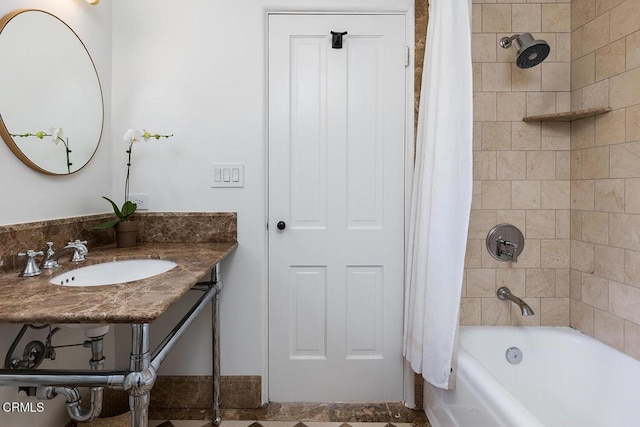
(75, 411)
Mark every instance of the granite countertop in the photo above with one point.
(35, 300)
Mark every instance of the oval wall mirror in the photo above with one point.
(51, 107)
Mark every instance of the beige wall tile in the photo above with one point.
(595, 34)
(525, 136)
(632, 195)
(582, 11)
(476, 196)
(576, 44)
(632, 123)
(476, 18)
(576, 99)
(556, 76)
(582, 195)
(514, 217)
(609, 329)
(555, 194)
(563, 47)
(496, 18)
(603, 6)
(525, 194)
(595, 291)
(496, 136)
(525, 80)
(563, 282)
(583, 71)
(512, 278)
(563, 101)
(624, 301)
(624, 89)
(609, 262)
(610, 128)
(633, 50)
(554, 311)
(576, 285)
(563, 224)
(623, 231)
(540, 282)
(556, 17)
(541, 224)
(595, 163)
(526, 18)
(473, 255)
(609, 195)
(539, 103)
(576, 164)
(530, 256)
(484, 107)
(556, 131)
(583, 133)
(596, 95)
(632, 339)
(582, 257)
(484, 165)
(610, 60)
(477, 136)
(555, 253)
(595, 227)
(496, 194)
(624, 19)
(484, 47)
(511, 106)
(512, 165)
(582, 317)
(631, 268)
(480, 222)
(470, 312)
(576, 225)
(476, 69)
(481, 283)
(495, 312)
(625, 160)
(496, 77)
(541, 165)
(563, 163)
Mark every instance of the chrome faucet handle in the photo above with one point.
(81, 250)
(31, 269)
(47, 261)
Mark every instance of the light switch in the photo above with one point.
(227, 175)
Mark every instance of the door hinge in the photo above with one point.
(406, 56)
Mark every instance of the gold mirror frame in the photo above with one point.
(40, 152)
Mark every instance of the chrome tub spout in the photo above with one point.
(505, 294)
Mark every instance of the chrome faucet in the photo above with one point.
(505, 294)
(79, 249)
(510, 249)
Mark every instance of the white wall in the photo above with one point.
(197, 69)
(31, 196)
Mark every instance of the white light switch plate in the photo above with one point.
(227, 175)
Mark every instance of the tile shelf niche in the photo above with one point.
(568, 116)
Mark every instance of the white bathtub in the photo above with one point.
(564, 379)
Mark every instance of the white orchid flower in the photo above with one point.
(56, 135)
(133, 135)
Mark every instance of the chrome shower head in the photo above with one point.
(529, 52)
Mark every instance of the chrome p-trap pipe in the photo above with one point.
(51, 377)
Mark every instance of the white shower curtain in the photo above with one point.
(441, 199)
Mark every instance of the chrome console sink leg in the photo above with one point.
(215, 327)
(139, 381)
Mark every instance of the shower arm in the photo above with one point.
(505, 42)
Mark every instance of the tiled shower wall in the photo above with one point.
(521, 170)
(605, 172)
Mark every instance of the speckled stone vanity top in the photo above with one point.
(35, 300)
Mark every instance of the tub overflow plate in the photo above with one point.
(513, 355)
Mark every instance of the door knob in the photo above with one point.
(281, 225)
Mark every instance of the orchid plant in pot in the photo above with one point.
(126, 228)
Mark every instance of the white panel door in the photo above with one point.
(336, 182)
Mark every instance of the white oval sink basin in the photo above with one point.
(113, 273)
